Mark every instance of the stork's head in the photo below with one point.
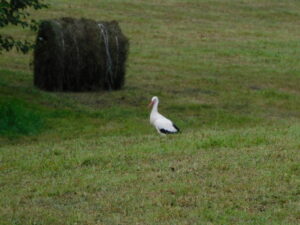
(153, 101)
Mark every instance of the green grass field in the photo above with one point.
(226, 71)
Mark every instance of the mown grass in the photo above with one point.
(226, 72)
(222, 177)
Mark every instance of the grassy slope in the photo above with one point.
(226, 71)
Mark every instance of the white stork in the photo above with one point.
(162, 124)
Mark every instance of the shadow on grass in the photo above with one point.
(18, 118)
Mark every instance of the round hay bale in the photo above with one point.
(80, 55)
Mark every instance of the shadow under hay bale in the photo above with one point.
(80, 55)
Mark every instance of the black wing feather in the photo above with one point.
(164, 131)
(178, 130)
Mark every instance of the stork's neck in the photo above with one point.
(154, 108)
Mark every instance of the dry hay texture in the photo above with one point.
(80, 55)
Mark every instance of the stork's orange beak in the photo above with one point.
(150, 104)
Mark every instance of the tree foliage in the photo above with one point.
(15, 12)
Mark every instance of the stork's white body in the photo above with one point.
(162, 124)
